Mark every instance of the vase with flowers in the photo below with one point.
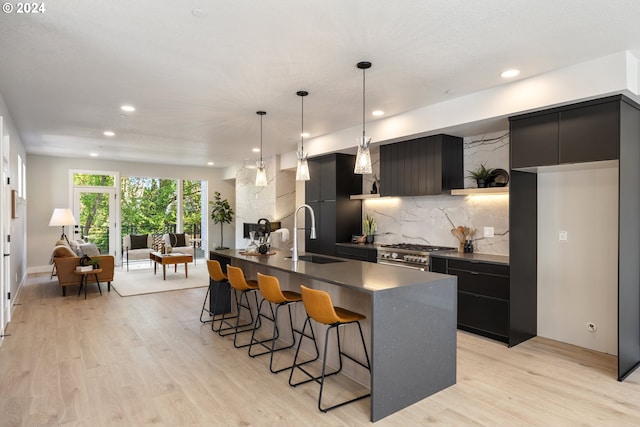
(369, 227)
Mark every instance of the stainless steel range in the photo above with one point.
(408, 255)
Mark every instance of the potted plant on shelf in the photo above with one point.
(482, 175)
(370, 226)
(221, 213)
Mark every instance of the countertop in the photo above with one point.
(475, 257)
(363, 276)
(369, 246)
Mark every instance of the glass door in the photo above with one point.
(95, 211)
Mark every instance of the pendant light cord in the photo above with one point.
(302, 126)
(363, 104)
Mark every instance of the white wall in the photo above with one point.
(18, 225)
(578, 279)
(48, 188)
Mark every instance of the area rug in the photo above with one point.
(142, 281)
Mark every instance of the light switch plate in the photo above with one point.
(488, 232)
(563, 236)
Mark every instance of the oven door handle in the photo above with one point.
(403, 265)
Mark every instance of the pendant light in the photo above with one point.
(261, 174)
(302, 172)
(363, 159)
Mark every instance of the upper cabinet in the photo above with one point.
(423, 166)
(584, 132)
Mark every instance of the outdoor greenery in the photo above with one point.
(148, 206)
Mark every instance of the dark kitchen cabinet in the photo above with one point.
(487, 305)
(327, 192)
(601, 129)
(585, 132)
(362, 252)
(422, 166)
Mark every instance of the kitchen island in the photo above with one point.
(411, 319)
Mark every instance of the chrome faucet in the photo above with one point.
(312, 235)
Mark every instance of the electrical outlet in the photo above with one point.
(488, 232)
(563, 235)
(591, 327)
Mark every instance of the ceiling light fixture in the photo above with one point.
(377, 113)
(109, 133)
(363, 158)
(302, 171)
(261, 173)
(128, 108)
(509, 73)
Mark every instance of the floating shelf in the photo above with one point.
(364, 196)
(480, 191)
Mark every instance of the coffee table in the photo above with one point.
(174, 258)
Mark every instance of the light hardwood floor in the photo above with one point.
(148, 360)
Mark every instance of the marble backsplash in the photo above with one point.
(429, 219)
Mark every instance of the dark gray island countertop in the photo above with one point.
(410, 324)
(362, 276)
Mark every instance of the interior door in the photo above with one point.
(5, 227)
(95, 211)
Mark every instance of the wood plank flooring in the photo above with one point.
(148, 360)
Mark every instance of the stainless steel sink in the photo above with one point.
(317, 259)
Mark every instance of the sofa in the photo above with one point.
(66, 261)
(179, 242)
(137, 247)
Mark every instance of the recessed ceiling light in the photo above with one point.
(210, 163)
(109, 133)
(255, 150)
(93, 154)
(305, 134)
(128, 108)
(510, 73)
(378, 113)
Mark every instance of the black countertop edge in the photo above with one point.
(474, 257)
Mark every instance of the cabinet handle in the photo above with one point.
(475, 273)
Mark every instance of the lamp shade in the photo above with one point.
(62, 217)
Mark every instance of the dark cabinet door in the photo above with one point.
(421, 167)
(481, 314)
(312, 187)
(590, 133)
(438, 265)
(328, 177)
(534, 141)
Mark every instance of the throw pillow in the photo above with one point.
(75, 246)
(89, 249)
(177, 240)
(139, 241)
(62, 251)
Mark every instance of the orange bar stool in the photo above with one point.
(218, 277)
(273, 294)
(320, 308)
(241, 290)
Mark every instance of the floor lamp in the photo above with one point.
(60, 218)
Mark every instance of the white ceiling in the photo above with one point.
(197, 81)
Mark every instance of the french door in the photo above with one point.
(95, 211)
(5, 229)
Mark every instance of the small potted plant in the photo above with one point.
(482, 175)
(370, 226)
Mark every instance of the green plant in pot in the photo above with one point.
(369, 225)
(482, 175)
(221, 213)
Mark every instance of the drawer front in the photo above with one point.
(479, 267)
(438, 265)
(485, 314)
(360, 254)
(481, 283)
